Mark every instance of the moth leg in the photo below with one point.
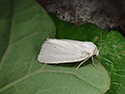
(94, 63)
(80, 65)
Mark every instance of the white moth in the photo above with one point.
(55, 51)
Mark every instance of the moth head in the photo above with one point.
(96, 52)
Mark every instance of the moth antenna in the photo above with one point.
(100, 40)
(98, 56)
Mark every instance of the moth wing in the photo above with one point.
(62, 51)
(88, 46)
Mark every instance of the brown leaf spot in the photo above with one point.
(120, 46)
(123, 52)
(96, 37)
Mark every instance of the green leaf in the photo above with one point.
(26, 27)
(113, 54)
(5, 22)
